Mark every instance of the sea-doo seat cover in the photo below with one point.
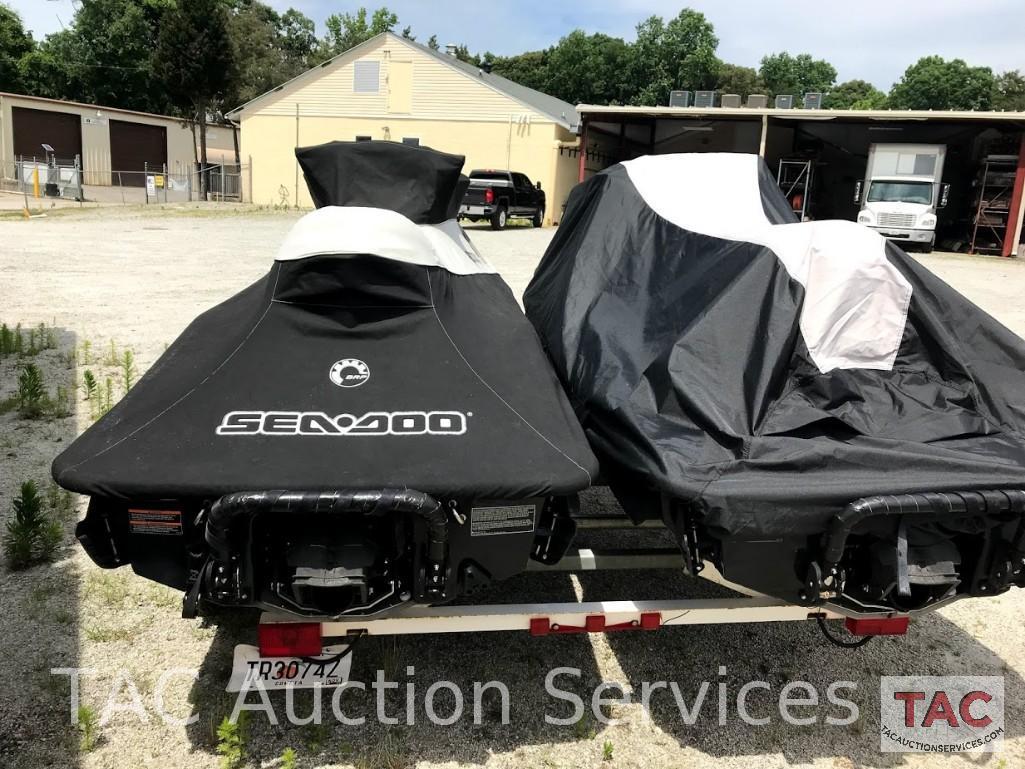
(380, 351)
(764, 370)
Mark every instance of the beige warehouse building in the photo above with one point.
(391, 88)
(114, 146)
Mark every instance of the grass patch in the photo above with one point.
(88, 727)
(109, 634)
(109, 588)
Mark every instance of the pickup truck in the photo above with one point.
(499, 196)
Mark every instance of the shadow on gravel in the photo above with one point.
(515, 659)
(40, 609)
(777, 653)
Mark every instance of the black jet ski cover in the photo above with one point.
(375, 353)
(765, 371)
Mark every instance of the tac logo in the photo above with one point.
(349, 372)
(941, 714)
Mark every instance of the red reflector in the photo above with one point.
(489, 195)
(878, 626)
(290, 639)
(651, 620)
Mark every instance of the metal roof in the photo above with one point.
(559, 111)
(67, 103)
(592, 110)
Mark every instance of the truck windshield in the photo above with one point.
(498, 176)
(900, 192)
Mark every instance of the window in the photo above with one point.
(366, 76)
(364, 138)
(900, 192)
(412, 141)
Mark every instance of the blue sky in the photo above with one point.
(871, 39)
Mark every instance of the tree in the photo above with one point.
(346, 30)
(933, 83)
(855, 94)
(298, 39)
(258, 51)
(739, 80)
(680, 54)
(529, 69)
(407, 32)
(797, 75)
(195, 59)
(432, 43)
(15, 43)
(1009, 93)
(591, 69)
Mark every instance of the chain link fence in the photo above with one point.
(40, 178)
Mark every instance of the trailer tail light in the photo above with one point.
(595, 623)
(878, 626)
(489, 195)
(290, 639)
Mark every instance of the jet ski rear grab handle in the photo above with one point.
(230, 513)
(965, 504)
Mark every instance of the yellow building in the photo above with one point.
(391, 88)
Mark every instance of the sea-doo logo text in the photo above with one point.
(319, 423)
(349, 372)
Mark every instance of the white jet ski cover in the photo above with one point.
(380, 351)
(766, 371)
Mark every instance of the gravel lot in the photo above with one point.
(134, 279)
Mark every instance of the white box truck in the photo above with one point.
(902, 191)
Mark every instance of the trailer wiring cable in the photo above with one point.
(839, 641)
(359, 634)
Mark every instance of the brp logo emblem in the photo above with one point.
(350, 372)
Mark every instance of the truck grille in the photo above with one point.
(896, 220)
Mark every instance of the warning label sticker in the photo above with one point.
(514, 519)
(154, 521)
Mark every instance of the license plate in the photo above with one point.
(281, 672)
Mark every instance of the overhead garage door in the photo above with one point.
(134, 147)
(35, 127)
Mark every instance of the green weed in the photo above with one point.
(127, 369)
(606, 751)
(288, 759)
(31, 537)
(231, 740)
(88, 727)
(31, 392)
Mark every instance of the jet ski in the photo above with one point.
(805, 406)
(372, 424)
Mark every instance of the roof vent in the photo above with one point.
(730, 100)
(784, 101)
(451, 48)
(813, 101)
(679, 98)
(757, 101)
(704, 99)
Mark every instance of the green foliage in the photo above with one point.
(855, 94)
(15, 43)
(432, 43)
(6, 341)
(677, 54)
(1009, 92)
(346, 30)
(61, 406)
(112, 359)
(797, 75)
(31, 537)
(606, 751)
(127, 370)
(231, 740)
(739, 80)
(591, 69)
(268, 48)
(87, 352)
(31, 392)
(88, 727)
(89, 386)
(289, 760)
(933, 83)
